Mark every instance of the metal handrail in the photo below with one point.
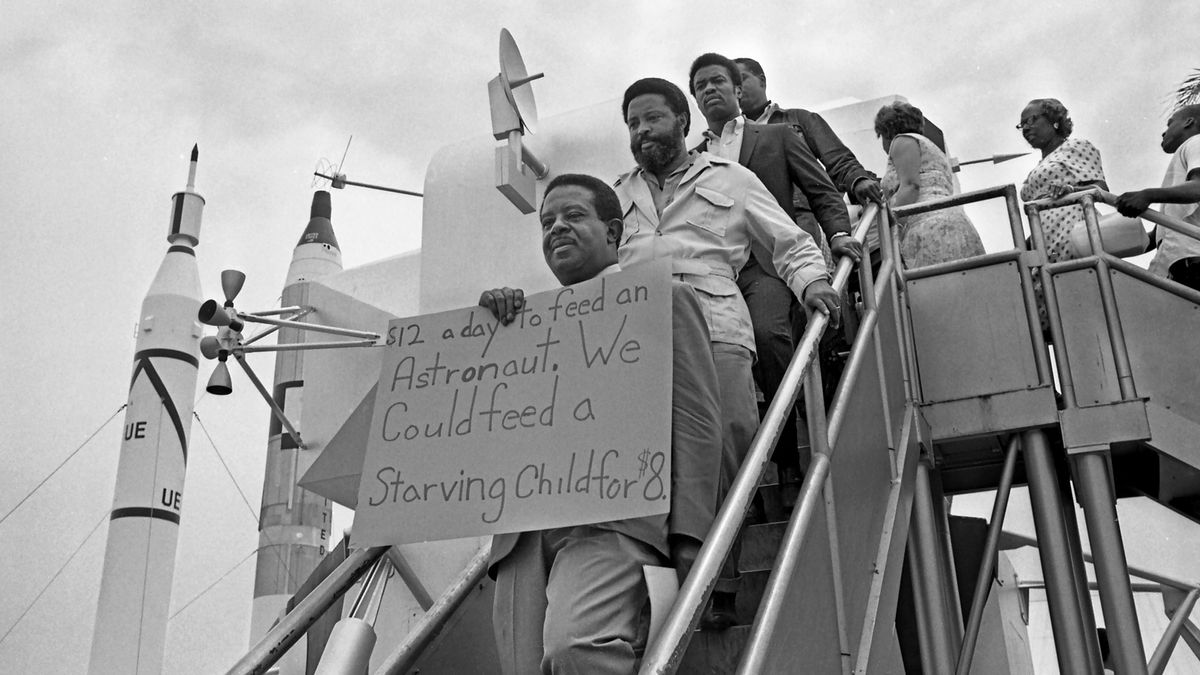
(1156, 217)
(292, 626)
(806, 509)
(406, 654)
(664, 655)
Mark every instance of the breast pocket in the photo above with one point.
(631, 223)
(716, 212)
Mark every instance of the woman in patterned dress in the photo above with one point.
(918, 171)
(1068, 164)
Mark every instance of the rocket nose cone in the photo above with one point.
(320, 229)
(321, 206)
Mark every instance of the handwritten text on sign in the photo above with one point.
(560, 418)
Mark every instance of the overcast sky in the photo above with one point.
(103, 101)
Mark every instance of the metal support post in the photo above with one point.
(1191, 636)
(921, 608)
(933, 577)
(1083, 593)
(954, 610)
(1162, 654)
(1108, 558)
(1066, 621)
(987, 569)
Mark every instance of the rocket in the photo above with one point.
(295, 523)
(139, 557)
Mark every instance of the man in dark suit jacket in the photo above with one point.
(571, 599)
(843, 167)
(785, 164)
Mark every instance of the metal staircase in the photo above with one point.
(950, 387)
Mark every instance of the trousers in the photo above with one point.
(739, 416)
(573, 600)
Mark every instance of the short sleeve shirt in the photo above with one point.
(1172, 245)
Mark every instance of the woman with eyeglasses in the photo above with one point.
(918, 171)
(1068, 165)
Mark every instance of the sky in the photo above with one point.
(103, 102)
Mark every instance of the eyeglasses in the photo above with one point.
(1026, 124)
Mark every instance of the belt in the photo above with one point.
(702, 268)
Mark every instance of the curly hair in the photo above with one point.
(1056, 114)
(676, 101)
(604, 198)
(713, 59)
(899, 118)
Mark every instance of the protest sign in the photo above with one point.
(563, 417)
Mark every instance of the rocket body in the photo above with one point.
(139, 557)
(295, 524)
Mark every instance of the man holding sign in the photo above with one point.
(574, 599)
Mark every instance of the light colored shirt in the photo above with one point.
(729, 144)
(718, 208)
(665, 194)
(1172, 245)
(765, 117)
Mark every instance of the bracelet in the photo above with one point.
(835, 235)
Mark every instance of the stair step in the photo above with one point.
(715, 652)
(777, 500)
(760, 545)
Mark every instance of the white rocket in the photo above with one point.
(139, 558)
(295, 524)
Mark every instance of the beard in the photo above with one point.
(663, 150)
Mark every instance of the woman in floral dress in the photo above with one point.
(918, 171)
(1068, 165)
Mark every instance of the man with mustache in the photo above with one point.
(778, 155)
(572, 599)
(705, 213)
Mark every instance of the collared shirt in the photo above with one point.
(664, 195)
(729, 144)
(1172, 245)
(771, 109)
(719, 208)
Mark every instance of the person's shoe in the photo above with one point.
(720, 613)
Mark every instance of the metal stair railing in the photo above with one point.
(666, 653)
(824, 433)
(406, 654)
(292, 626)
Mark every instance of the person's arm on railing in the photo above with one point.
(1134, 203)
(1157, 218)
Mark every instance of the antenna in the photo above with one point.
(337, 179)
(514, 113)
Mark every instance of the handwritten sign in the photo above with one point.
(562, 417)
